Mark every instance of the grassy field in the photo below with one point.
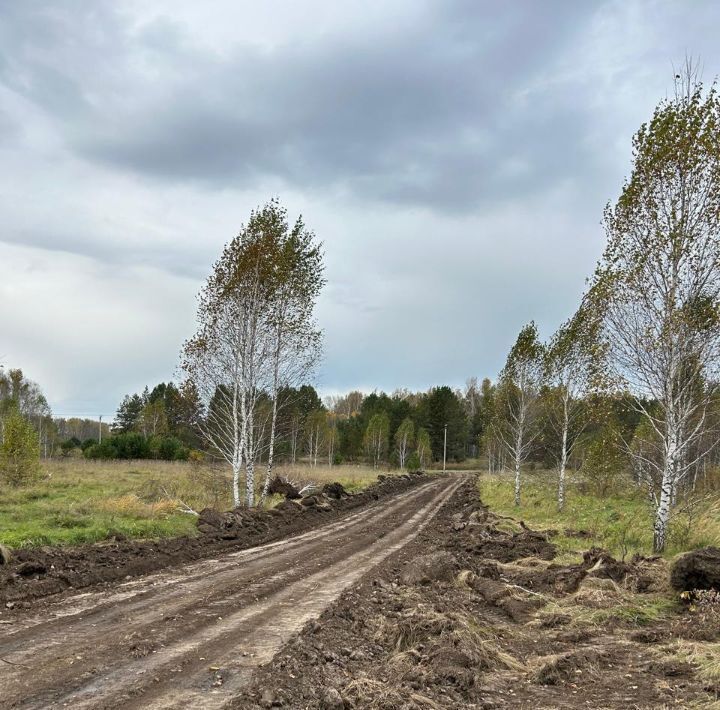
(620, 521)
(80, 501)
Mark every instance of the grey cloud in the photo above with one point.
(395, 117)
(185, 261)
(454, 156)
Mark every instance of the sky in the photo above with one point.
(454, 157)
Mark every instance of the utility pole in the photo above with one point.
(100, 430)
(444, 448)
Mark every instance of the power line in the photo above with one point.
(80, 416)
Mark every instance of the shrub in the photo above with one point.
(605, 462)
(195, 456)
(20, 450)
(171, 449)
(413, 462)
(69, 445)
(106, 450)
(131, 445)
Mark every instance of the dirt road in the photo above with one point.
(191, 637)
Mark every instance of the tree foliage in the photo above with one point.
(19, 450)
(256, 335)
(657, 288)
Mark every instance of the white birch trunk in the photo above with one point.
(271, 451)
(667, 489)
(563, 454)
(662, 517)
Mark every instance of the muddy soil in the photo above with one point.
(38, 572)
(192, 636)
(472, 615)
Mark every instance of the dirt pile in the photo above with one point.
(436, 567)
(38, 572)
(283, 487)
(474, 614)
(699, 569)
(479, 535)
(334, 491)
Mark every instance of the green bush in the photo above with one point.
(69, 445)
(132, 446)
(20, 450)
(413, 462)
(605, 462)
(105, 451)
(88, 443)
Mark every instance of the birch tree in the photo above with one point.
(256, 336)
(404, 439)
(376, 437)
(230, 356)
(315, 431)
(567, 371)
(294, 435)
(517, 399)
(657, 288)
(423, 448)
(19, 450)
(331, 436)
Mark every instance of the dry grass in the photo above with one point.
(559, 668)
(597, 605)
(353, 478)
(130, 505)
(704, 655)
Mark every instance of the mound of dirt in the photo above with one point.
(281, 486)
(699, 569)
(234, 523)
(486, 541)
(334, 490)
(38, 572)
(524, 544)
(563, 667)
(601, 564)
(436, 567)
(557, 579)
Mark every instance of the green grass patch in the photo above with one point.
(600, 608)
(79, 501)
(620, 521)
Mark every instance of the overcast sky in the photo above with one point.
(453, 156)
